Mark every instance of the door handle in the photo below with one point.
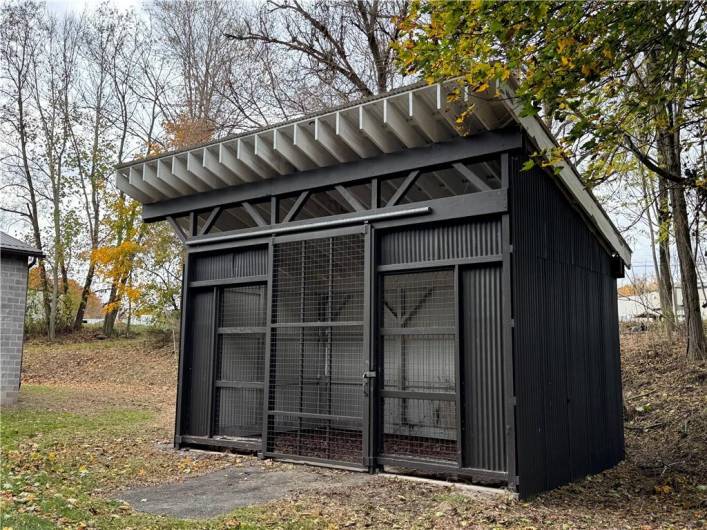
(367, 376)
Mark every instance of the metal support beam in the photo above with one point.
(210, 220)
(337, 220)
(254, 213)
(296, 207)
(419, 158)
(404, 186)
(353, 201)
(177, 229)
(472, 177)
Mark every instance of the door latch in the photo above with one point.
(367, 376)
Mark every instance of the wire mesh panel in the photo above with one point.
(418, 346)
(240, 362)
(317, 352)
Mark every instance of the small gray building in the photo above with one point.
(14, 268)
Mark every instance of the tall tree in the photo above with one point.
(192, 36)
(91, 132)
(20, 42)
(53, 75)
(344, 45)
(607, 68)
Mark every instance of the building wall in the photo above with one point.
(13, 292)
(635, 307)
(566, 344)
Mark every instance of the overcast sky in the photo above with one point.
(642, 260)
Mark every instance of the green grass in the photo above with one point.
(58, 469)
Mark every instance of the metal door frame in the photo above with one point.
(378, 403)
(268, 416)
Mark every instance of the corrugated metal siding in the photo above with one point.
(234, 264)
(197, 373)
(428, 243)
(566, 345)
(196, 406)
(482, 361)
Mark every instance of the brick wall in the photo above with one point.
(13, 295)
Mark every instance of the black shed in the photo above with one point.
(369, 287)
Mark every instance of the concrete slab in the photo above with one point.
(222, 491)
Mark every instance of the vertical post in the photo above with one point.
(507, 317)
(269, 357)
(375, 193)
(193, 224)
(212, 358)
(368, 425)
(328, 359)
(182, 342)
(458, 365)
(402, 380)
(303, 256)
(274, 210)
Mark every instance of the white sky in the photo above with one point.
(63, 6)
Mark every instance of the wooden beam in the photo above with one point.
(196, 167)
(274, 210)
(177, 229)
(263, 150)
(228, 159)
(179, 169)
(334, 145)
(375, 132)
(210, 220)
(348, 196)
(296, 207)
(424, 118)
(211, 163)
(124, 185)
(484, 144)
(443, 108)
(164, 172)
(246, 154)
(254, 213)
(149, 175)
(397, 123)
(404, 186)
(358, 143)
(193, 223)
(136, 180)
(286, 148)
(472, 177)
(304, 141)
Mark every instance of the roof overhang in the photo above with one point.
(411, 117)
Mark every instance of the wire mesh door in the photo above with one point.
(240, 362)
(317, 353)
(417, 343)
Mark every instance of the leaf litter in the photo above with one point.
(117, 398)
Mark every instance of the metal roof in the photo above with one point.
(10, 245)
(409, 117)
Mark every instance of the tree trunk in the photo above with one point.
(663, 276)
(669, 148)
(109, 322)
(665, 283)
(85, 292)
(33, 209)
(696, 346)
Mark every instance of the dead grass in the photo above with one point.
(661, 484)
